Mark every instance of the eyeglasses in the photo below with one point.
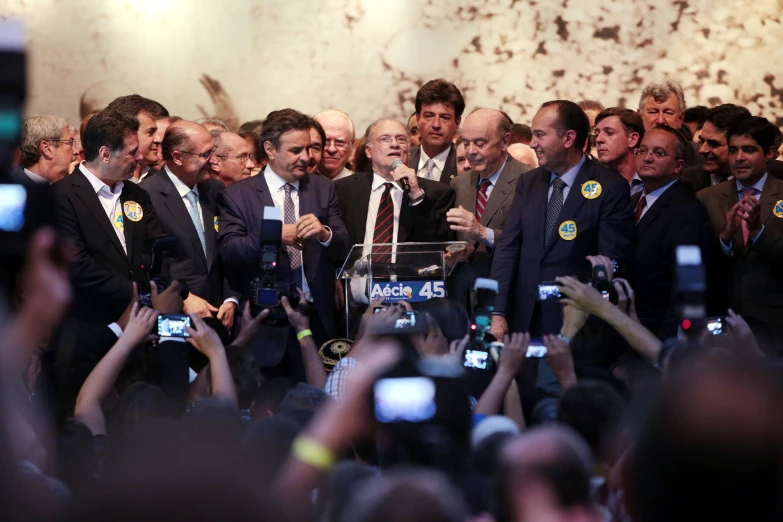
(339, 144)
(204, 155)
(402, 141)
(69, 142)
(642, 151)
(242, 158)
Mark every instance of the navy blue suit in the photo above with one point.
(240, 214)
(604, 225)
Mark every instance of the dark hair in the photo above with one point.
(279, 122)
(570, 117)
(758, 129)
(631, 120)
(253, 127)
(696, 115)
(682, 144)
(303, 397)
(244, 373)
(451, 316)
(362, 162)
(133, 104)
(270, 395)
(686, 132)
(140, 402)
(107, 129)
(723, 117)
(521, 133)
(440, 91)
(593, 409)
(317, 126)
(338, 486)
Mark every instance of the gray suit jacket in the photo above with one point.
(499, 202)
(449, 169)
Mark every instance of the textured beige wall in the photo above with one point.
(368, 57)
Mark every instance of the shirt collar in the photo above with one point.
(570, 175)
(759, 185)
(97, 185)
(493, 179)
(275, 182)
(378, 181)
(655, 194)
(636, 178)
(35, 177)
(439, 160)
(182, 189)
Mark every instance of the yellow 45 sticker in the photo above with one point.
(567, 230)
(591, 189)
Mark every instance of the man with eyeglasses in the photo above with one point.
(47, 149)
(235, 156)
(185, 204)
(340, 137)
(666, 216)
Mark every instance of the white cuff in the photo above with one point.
(114, 327)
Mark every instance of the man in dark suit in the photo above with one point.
(667, 216)
(484, 196)
(439, 107)
(362, 197)
(109, 219)
(314, 238)
(565, 210)
(185, 204)
(714, 148)
(746, 214)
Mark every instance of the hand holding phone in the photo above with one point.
(549, 291)
(173, 325)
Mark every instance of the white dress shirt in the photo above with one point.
(372, 210)
(493, 179)
(276, 186)
(440, 163)
(758, 187)
(569, 177)
(35, 177)
(110, 201)
(344, 174)
(653, 196)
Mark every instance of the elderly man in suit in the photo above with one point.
(484, 197)
(439, 107)
(314, 238)
(746, 214)
(185, 204)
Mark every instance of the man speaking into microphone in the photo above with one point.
(390, 204)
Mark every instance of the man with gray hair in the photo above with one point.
(47, 149)
(340, 137)
(235, 156)
(213, 124)
(663, 103)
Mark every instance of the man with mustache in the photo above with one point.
(439, 107)
(185, 204)
(314, 238)
(618, 132)
(746, 214)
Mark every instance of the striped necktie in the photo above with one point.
(384, 226)
(481, 198)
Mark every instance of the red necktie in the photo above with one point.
(746, 192)
(640, 208)
(384, 225)
(481, 198)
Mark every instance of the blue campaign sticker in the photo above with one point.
(411, 291)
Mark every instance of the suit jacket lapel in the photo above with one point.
(501, 190)
(467, 198)
(539, 200)
(413, 160)
(450, 167)
(206, 200)
(769, 196)
(361, 206)
(657, 209)
(85, 192)
(264, 194)
(175, 205)
(574, 200)
(305, 200)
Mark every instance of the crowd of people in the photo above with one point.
(176, 341)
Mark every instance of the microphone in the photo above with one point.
(406, 188)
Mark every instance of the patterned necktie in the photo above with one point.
(193, 210)
(428, 169)
(294, 254)
(746, 192)
(553, 208)
(384, 226)
(481, 198)
(640, 206)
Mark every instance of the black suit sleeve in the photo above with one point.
(616, 226)
(430, 214)
(105, 285)
(339, 245)
(235, 244)
(507, 251)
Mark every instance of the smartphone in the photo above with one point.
(536, 349)
(404, 399)
(13, 200)
(549, 291)
(407, 321)
(170, 325)
(715, 326)
(477, 360)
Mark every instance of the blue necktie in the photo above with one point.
(193, 210)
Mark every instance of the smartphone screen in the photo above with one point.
(549, 291)
(13, 199)
(476, 359)
(536, 349)
(408, 320)
(405, 399)
(173, 325)
(715, 326)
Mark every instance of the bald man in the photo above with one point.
(186, 203)
(340, 137)
(524, 154)
(484, 196)
(235, 156)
